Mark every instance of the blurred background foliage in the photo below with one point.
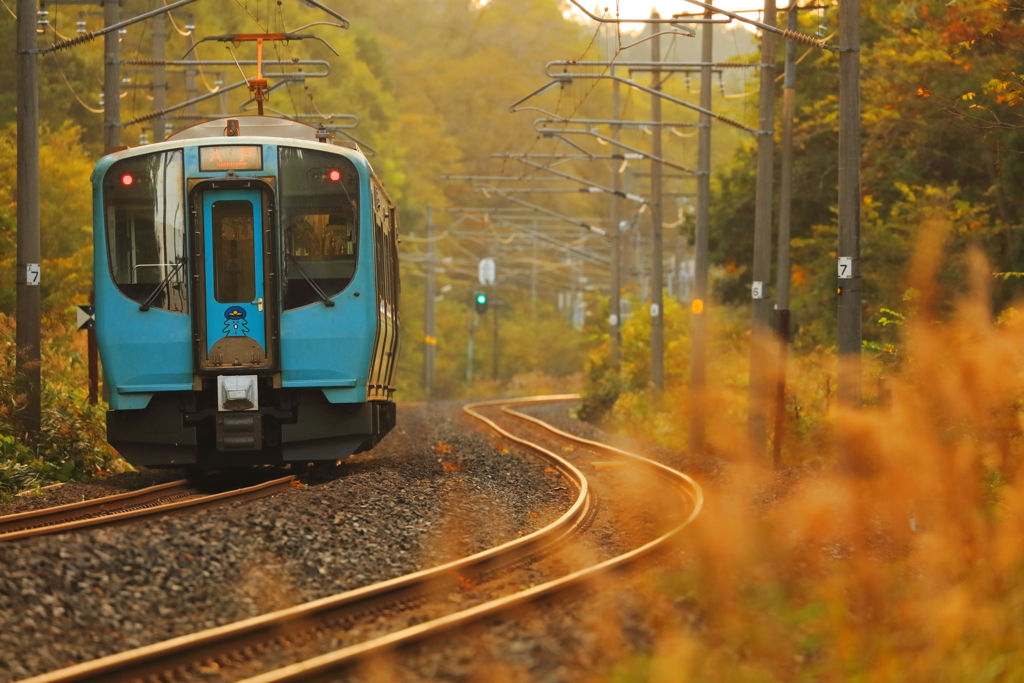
(802, 592)
(431, 85)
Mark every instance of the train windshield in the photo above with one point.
(144, 204)
(319, 201)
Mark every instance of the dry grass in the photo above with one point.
(899, 558)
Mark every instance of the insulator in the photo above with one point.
(731, 122)
(72, 42)
(804, 38)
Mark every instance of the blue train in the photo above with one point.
(246, 279)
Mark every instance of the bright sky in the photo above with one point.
(630, 9)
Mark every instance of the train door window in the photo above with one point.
(144, 205)
(319, 199)
(234, 265)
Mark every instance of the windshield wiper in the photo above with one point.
(316, 288)
(163, 285)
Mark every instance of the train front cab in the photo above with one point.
(246, 315)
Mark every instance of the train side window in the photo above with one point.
(144, 206)
(319, 199)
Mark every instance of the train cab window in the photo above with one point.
(144, 205)
(319, 199)
(234, 270)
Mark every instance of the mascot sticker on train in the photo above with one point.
(234, 322)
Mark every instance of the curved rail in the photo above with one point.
(317, 667)
(149, 502)
(196, 648)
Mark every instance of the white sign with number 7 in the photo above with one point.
(845, 267)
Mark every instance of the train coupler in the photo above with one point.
(239, 431)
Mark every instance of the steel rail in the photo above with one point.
(196, 648)
(60, 513)
(66, 518)
(325, 667)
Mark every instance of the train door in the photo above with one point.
(231, 321)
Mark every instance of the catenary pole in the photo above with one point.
(27, 336)
(760, 328)
(190, 70)
(159, 72)
(111, 77)
(782, 274)
(786, 168)
(615, 314)
(533, 280)
(657, 305)
(430, 339)
(495, 353)
(698, 352)
(849, 313)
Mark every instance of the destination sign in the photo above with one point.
(231, 157)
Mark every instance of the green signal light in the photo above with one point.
(481, 298)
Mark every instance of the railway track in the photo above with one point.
(193, 654)
(175, 496)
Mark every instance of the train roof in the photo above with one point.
(256, 126)
(252, 130)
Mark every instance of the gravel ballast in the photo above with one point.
(561, 640)
(430, 492)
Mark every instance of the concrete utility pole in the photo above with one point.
(111, 77)
(28, 276)
(698, 350)
(760, 328)
(849, 317)
(785, 212)
(430, 340)
(469, 347)
(533, 279)
(657, 305)
(159, 72)
(496, 350)
(190, 71)
(615, 315)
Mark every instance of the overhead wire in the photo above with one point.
(245, 8)
(183, 34)
(135, 72)
(60, 69)
(288, 54)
